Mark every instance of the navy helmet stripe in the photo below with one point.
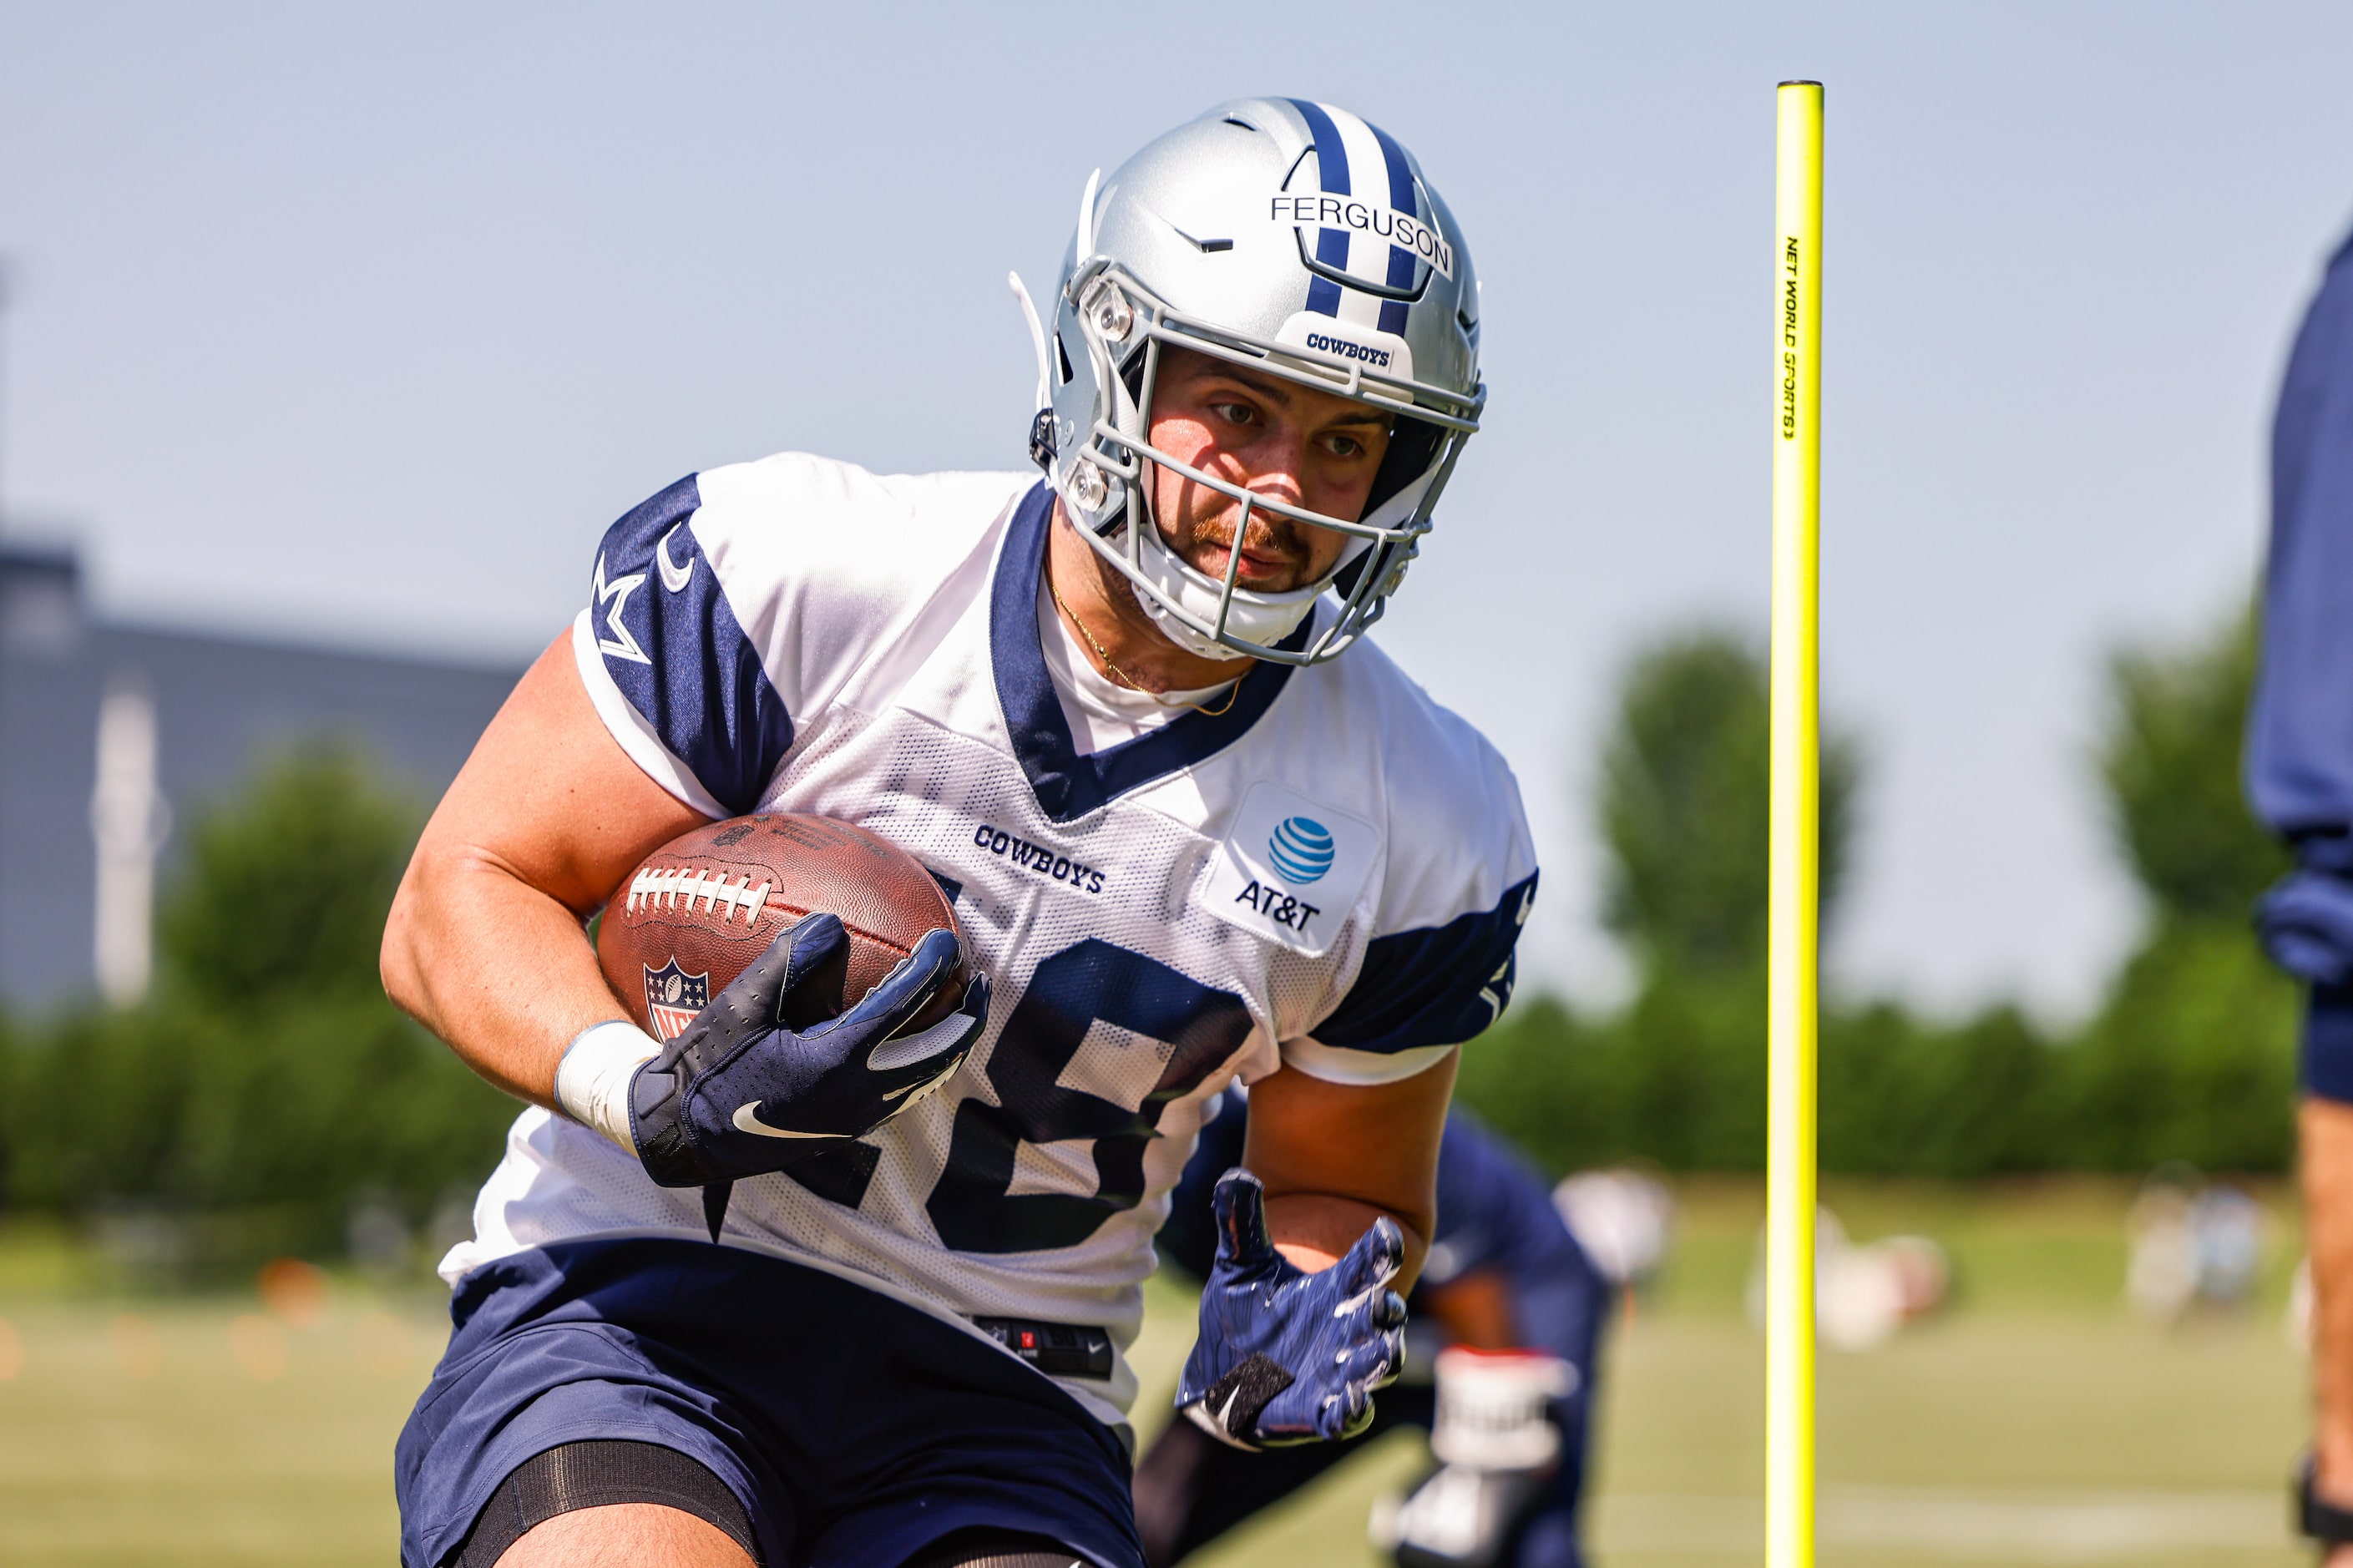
(1401, 199)
(1400, 173)
(1331, 157)
(1332, 167)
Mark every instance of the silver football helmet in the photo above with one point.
(1300, 240)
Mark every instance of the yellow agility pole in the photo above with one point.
(1794, 906)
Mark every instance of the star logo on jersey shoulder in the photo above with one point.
(614, 596)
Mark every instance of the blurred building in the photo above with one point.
(110, 731)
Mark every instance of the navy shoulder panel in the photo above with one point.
(1439, 986)
(672, 644)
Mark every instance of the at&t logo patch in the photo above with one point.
(1290, 868)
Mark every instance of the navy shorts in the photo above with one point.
(2327, 1064)
(855, 1429)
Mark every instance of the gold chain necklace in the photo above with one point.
(1124, 678)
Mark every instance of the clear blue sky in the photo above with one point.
(363, 321)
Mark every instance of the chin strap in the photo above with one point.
(1177, 631)
(2322, 1521)
(1260, 620)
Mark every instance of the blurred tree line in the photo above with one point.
(265, 1080)
(2191, 1055)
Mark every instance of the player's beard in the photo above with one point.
(1200, 528)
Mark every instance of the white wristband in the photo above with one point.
(592, 1082)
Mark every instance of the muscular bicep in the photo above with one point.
(549, 796)
(483, 944)
(1329, 1153)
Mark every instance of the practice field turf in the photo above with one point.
(2035, 1423)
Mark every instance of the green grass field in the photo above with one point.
(2035, 1422)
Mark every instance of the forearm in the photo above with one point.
(2326, 1134)
(1313, 1230)
(1336, 1157)
(1475, 1309)
(501, 970)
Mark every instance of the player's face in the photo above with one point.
(1309, 448)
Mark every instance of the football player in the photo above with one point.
(1197, 830)
(2299, 779)
(1504, 1277)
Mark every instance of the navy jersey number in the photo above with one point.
(972, 1204)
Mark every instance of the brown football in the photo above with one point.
(698, 910)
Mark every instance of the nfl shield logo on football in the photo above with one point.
(674, 997)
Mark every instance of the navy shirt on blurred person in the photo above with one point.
(2300, 732)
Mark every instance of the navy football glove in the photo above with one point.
(1286, 1356)
(741, 1093)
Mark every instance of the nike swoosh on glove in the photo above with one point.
(741, 1094)
(1286, 1356)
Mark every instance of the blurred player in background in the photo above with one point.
(1192, 832)
(1516, 1307)
(2300, 779)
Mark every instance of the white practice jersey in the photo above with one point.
(1329, 874)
